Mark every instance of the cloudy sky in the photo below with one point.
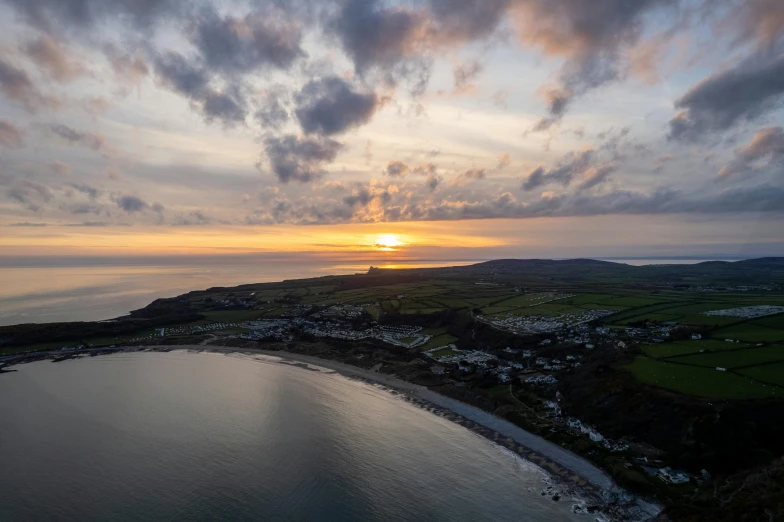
(457, 128)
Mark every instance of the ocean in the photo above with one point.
(185, 436)
(53, 289)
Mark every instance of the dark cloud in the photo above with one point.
(571, 166)
(766, 145)
(272, 113)
(51, 14)
(180, 75)
(228, 107)
(54, 58)
(396, 168)
(10, 135)
(375, 36)
(131, 204)
(301, 159)
(740, 94)
(432, 181)
(17, 86)
(330, 106)
(241, 45)
(88, 190)
(30, 194)
(596, 176)
(504, 160)
(361, 197)
(192, 80)
(458, 21)
(87, 139)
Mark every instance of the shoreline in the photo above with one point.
(575, 475)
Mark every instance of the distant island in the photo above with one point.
(670, 378)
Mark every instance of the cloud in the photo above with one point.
(241, 45)
(131, 204)
(56, 14)
(396, 168)
(432, 181)
(459, 21)
(193, 81)
(193, 218)
(11, 136)
(58, 167)
(596, 176)
(54, 58)
(96, 106)
(504, 160)
(129, 69)
(88, 190)
(425, 169)
(571, 166)
(272, 114)
(87, 139)
(469, 176)
(589, 36)
(465, 73)
(30, 194)
(766, 144)
(180, 75)
(760, 20)
(501, 99)
(740, 94)
(375, 36)
(17, 86)
(330, 106)
(300, 159)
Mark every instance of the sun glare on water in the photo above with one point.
(388, 242)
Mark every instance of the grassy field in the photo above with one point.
(750, 332)
(660, 351)
(702, 382)
(437, 341)
(772, 373)
(735, 359)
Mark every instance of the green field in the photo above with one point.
(437, 341)
(702, 382)
(750, 332)
(772, 373)
(735, 359)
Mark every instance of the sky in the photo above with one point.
(418, 129)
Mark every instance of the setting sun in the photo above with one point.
(388, 242)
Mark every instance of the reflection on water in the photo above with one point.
(182, 436)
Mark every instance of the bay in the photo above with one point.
(184, 436)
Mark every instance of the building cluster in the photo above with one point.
(671, 476)
(545, 324)
(346, 311)
(577, 426)
(747, 312)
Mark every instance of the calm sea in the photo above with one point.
(89, 289)
(62, 289)
(183, 436)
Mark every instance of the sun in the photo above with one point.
(388, 242)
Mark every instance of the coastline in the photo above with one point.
(575, 476)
